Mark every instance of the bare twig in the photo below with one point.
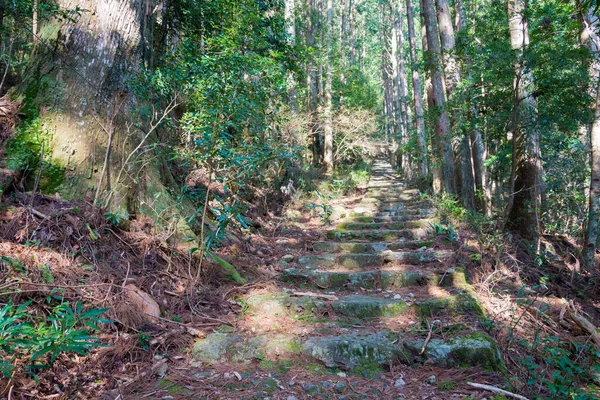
(494, 389)
(429, 333)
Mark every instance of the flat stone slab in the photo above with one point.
(366, 307)
(379, 225)
(374, 279)
(370, 247)
(352, 351)
(381, 235)
(372, 259)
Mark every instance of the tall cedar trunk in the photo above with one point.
(327, 123)
(351, 31)
(592, 41)
(403, 87)
(311, 83)
(452, 73)
(417, 96)
(399, 113)
(344, 42)
(524, 210)
(477, 146)
(290, 19)
(435, 165)
(442, 126)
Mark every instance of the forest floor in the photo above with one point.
(53, 250)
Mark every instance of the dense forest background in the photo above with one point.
(208, 117)
(489, 103)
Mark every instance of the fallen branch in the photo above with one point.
(317, 295)
(584, 324)
(494, 389)
(426, 342)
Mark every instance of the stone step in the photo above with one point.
(379, 225)
(360, 307)
(367, 260)
(380, 235)
(376, 213)
(389, 278)
(355, 351)
(369, 247)
(397, 218)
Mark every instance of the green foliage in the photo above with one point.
(117, 217)
(560, 367)
(65, 330)
(445, 230)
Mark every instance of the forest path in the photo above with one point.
(374, 311)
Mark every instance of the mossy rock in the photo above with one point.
(459, 304)
(471, 350)
(235, 348)
(353, 351)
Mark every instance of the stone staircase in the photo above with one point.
(377, 292)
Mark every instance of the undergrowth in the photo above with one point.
(40, 340)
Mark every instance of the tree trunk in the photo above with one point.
(403, 96)
(328, 124)
(452, 73)
(290, 19)
(351, 21)
(94, 57)
(397, 92)
(344, 42)
(525, 209)
(592, 41)
(417, 95)
(442, 126)
(311, 83)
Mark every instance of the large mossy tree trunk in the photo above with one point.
(79, 78)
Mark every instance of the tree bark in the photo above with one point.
(592, 41)
(453, 78)
(442, 126)
(327, 123)
(524, 212)
(417, 95)
(290, 19)
(311, 83)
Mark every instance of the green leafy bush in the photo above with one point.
(66, 330)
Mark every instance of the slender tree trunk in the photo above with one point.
(592, 41)
(416, 83)
(397, 91)
(442, 128)
(328, 125)
(403, 88)
(344, 42)
(351, 26)
(290, 19)
(312, 84)
(453, 78)
(524, 212)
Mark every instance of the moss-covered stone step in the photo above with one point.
(372, 279)
(377, 213)
(379, 235)
(352, 261)
(357, 352)
(369, 260)
(361, 307)
(369, 247)
(366, 307)
(379, 225)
